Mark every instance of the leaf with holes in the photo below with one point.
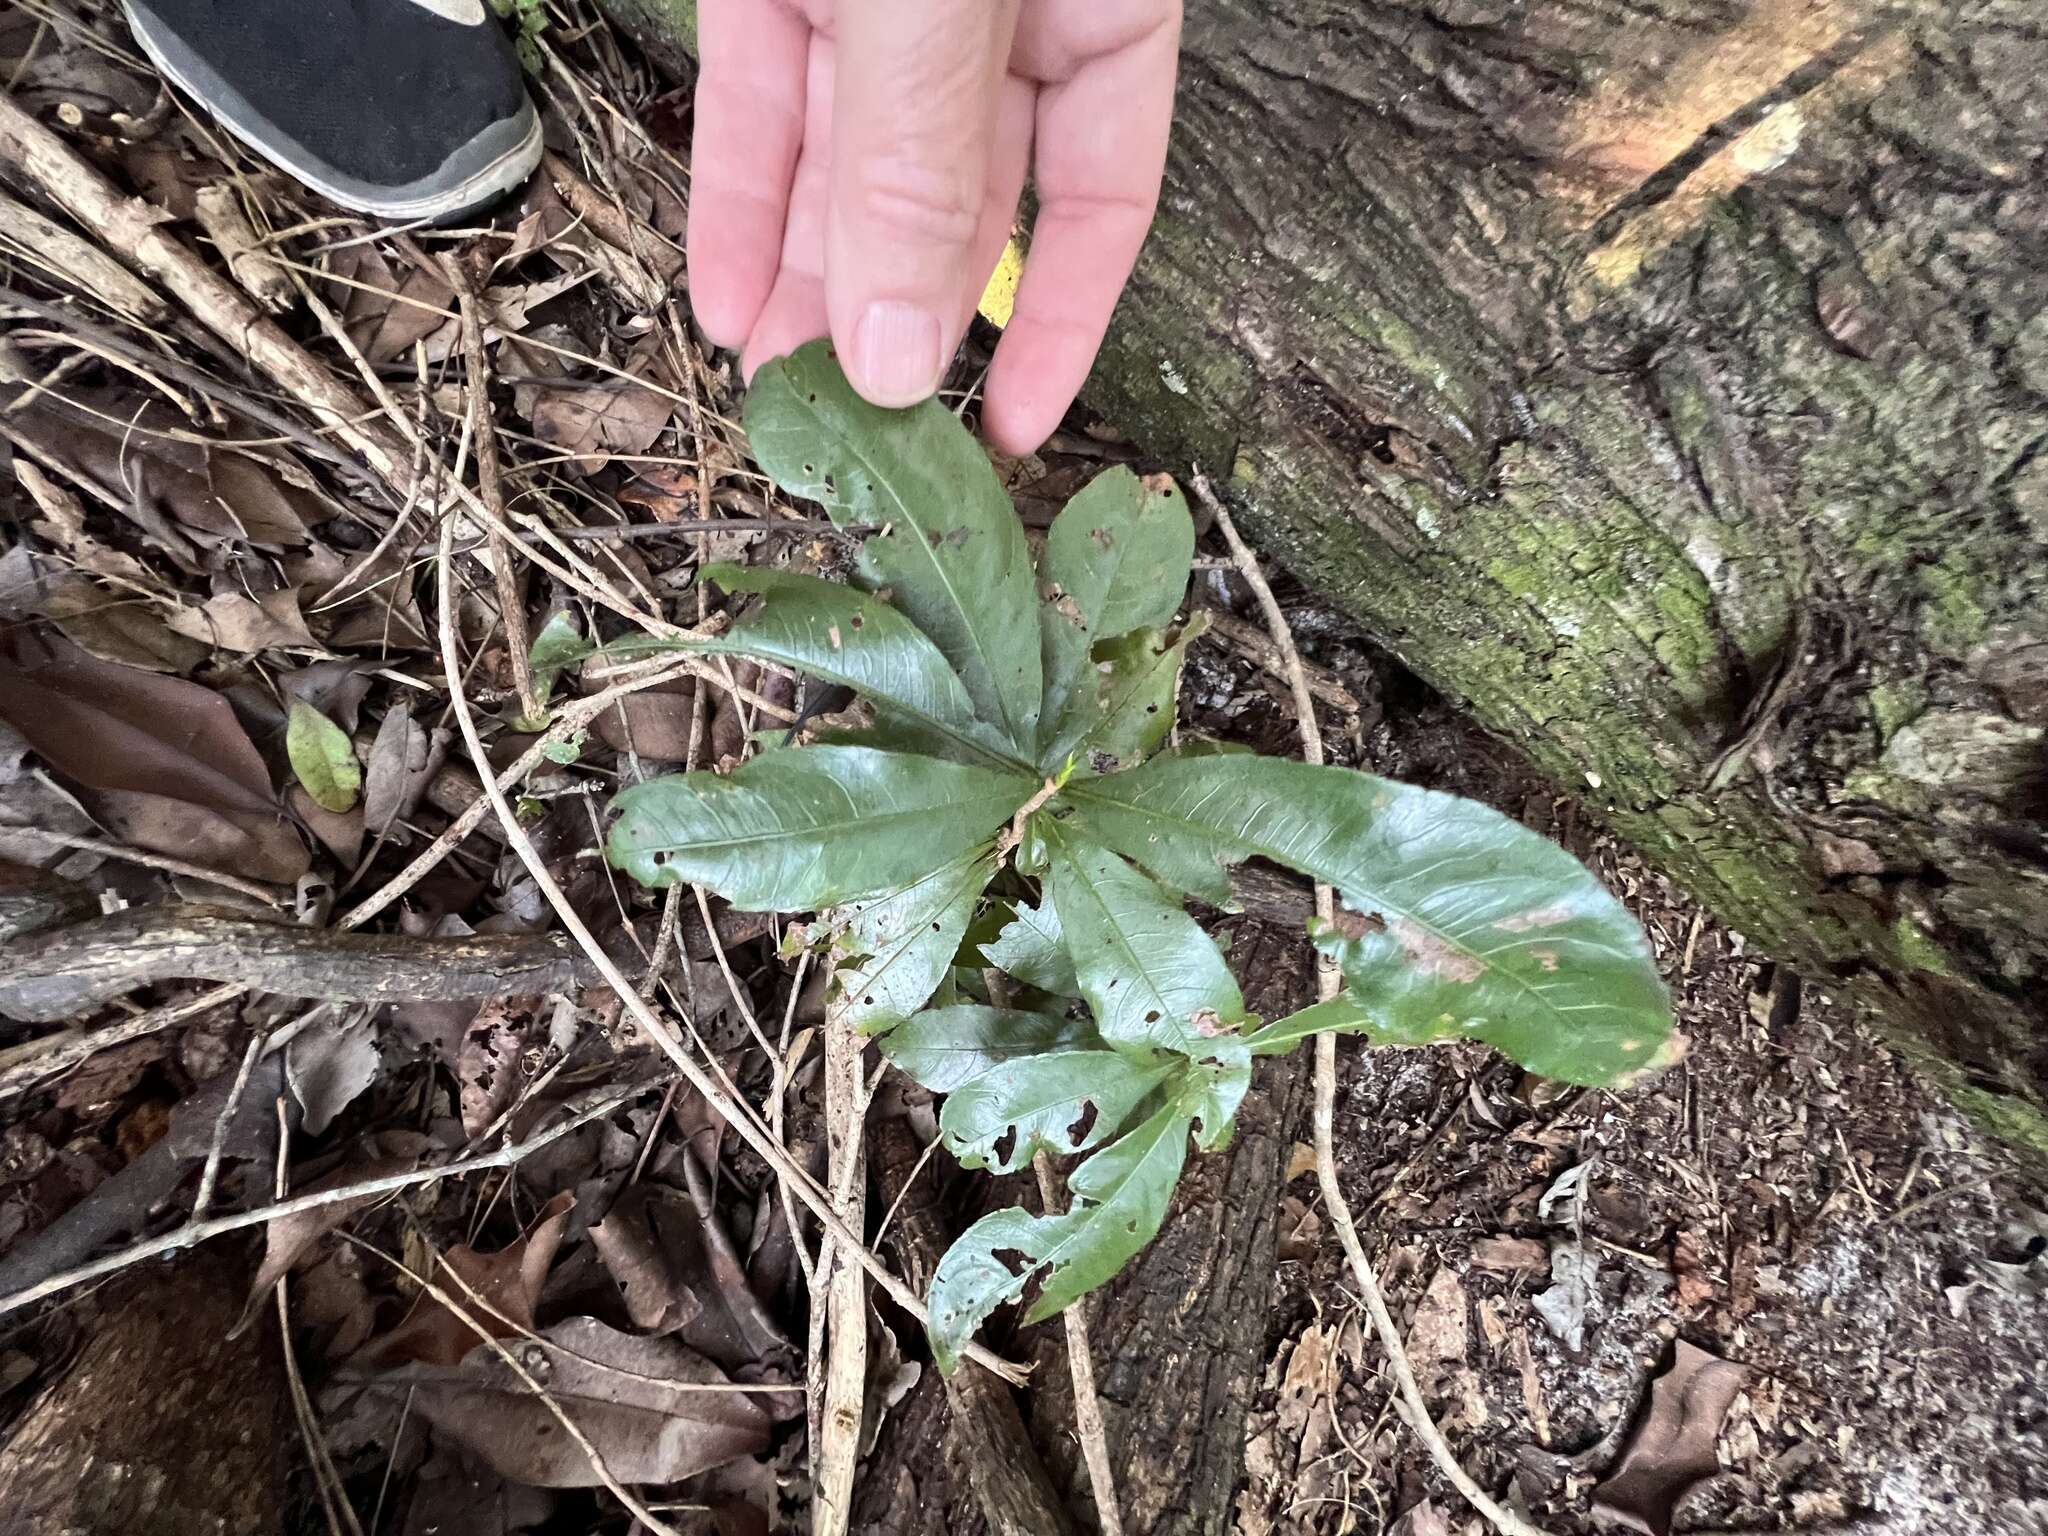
(948, 547)
(942, 1048)
(1063, 1101)
(1131, 713)
(1152, 977)
(1116, 559)
(1031, 948)
(1120, 1197)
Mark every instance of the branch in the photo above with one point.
(50, 977)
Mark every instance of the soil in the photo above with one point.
(1789, 1199)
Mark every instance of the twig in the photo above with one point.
(210, 1174)
(738, 1116)
(1414, 1411)
(838, 1414)
(192, 1233)
(1081, 1367)
(266, 894)
(511, 597)
(333, 1494)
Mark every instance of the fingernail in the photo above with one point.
(898, 353)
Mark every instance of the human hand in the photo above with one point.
(857, 165)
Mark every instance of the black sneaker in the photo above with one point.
(412, 110)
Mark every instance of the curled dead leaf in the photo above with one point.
(1673, 1445)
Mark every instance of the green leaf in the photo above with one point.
(1459, 923)
(942, 1048)
(795, 830)
(950, 549)
(559, 645)
(1214, 1091)
(1151, 976)
(1030, 948)
(1137, 681)
(1338, 1015)
(853, 638)
(901, 945)
(323, 759)
(1116, 559)
(1063, 1101)
(1120, 1198)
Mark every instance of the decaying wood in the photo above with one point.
(49, 977)
(79, 260)
(838, 1421)
(164, 1425)
(985, 1443)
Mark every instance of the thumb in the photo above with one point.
(916, 85)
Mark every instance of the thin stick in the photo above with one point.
(192, 1233)
(333, 1494)
(210, 1174)
(511, 597)
(266, 894)
(739, 1117)
(838, 1410)
(1414, 1411)
(1081, 1367)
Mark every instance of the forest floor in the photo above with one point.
(1837, 1280)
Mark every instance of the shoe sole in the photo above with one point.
(478, 173)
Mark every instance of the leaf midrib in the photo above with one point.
(853, 446)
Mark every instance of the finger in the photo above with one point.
(915, 120)
(743, 155)
(1009, 162)
(1099, 156)
(795, 311)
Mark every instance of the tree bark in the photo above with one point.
(1668, 385)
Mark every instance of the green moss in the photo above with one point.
(1953, 621)
(1917, 949)
(1896, 703)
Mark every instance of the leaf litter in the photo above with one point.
(174, 578)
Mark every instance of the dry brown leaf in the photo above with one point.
(286, 1240)
(1510, 1255)
(509, 1282)
(235, 621)
(452, 1496)
(594, 421)
(629, 1395)
(178, 492)
(390, 310)
(340, 831)
(487, 1063)
(1673, 1445)
(161, 761)
(681, 1274)
(403, 760)
(654, 722)
(1440, 1335)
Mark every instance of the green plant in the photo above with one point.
(1017, 804)
(530, 18)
